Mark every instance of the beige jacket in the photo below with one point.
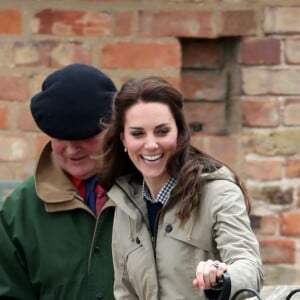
(165, 268)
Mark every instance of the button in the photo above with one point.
(169, 228)
(97, 249)
(138, 241)
(99, 296)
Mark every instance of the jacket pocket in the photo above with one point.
(141, 270)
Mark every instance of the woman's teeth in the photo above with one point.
(151, 157)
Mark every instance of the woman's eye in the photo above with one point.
(136, 133)
(163, 131)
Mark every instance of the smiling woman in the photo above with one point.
(150, 140)
(181, 219)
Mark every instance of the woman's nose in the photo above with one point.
(151, 144)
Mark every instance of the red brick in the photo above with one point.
(68, 22)
(237, 22)
(25, 121)
(201, 54)
(177, 23)
(266, 224)
(260, 170)
(3, 116)
(123, 23)
(10, 21)
(265, 51)
(40, 142)
(14, 88)
(293, 168)
(205, 85)
(51, 53)
(210, 115)
(140, 55)
(224, 148)
(290, 223)
(261, 112)
(276, 251)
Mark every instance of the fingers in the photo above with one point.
(207, 273)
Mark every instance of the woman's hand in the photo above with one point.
(207, 274)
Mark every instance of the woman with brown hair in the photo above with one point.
(182, 216)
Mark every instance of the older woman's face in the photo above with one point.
(150, 136)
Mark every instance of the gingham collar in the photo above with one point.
(163, 194)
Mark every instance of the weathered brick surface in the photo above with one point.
(3, 116)
(265, 224)
(278, 19)
(292, 52)
(51, 54)
(260, 170)
(273, 143)
(175, 23)
(260, 51)
(40, 141)
(68, 22)
(261, 112)
(24, 120)
(123, 23)
(291, 112)
(293, 168)
(290, 223)
(11, 21)
(140, 55)
(13, 148)
(258, 81)
(199, 53)
(278, 251)
(224, 148)
(237, 22)
(205, 85)
(15, 88)
(212, 117)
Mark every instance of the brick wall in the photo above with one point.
(236, 61)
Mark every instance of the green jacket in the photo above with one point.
(51, 245)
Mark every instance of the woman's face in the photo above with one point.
(150, 136)
(76, 157)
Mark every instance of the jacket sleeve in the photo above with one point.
(235, 240)
(14, 278)
(122, 286)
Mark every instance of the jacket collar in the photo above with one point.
(53, 186)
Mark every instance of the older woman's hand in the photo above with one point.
(207, 274)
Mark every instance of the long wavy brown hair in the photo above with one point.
(187, 163)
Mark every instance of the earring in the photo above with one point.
(125, 149)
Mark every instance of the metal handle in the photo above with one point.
(293, 292)
(226, 287)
